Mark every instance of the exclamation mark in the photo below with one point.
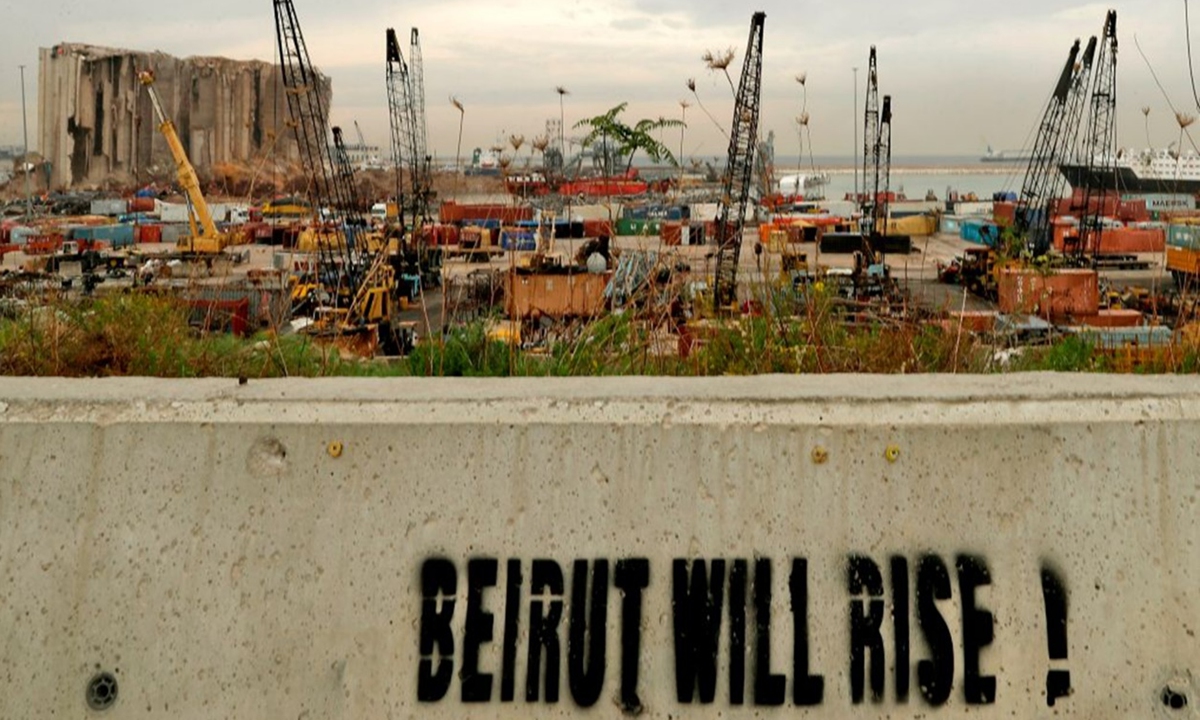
(1058, 682)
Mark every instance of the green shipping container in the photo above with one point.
(632, 226)
(1184, 236)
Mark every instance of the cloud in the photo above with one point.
(957, 71)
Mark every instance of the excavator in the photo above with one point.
(204, 238)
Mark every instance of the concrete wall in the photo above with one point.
(1021, 546)
(96, 123)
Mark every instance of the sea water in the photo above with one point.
(915, 177)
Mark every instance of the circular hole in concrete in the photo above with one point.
(102, 691)
(1174, 700)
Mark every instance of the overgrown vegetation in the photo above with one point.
(150, 335)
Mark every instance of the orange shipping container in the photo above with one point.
(554, 295)
(1119, 241)
(978, 321)
(1113, 319)
(1057, 294)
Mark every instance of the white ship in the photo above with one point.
(1146, 172)
(797, 184)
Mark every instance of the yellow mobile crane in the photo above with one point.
(204, 239)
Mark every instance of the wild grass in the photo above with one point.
(809, 332)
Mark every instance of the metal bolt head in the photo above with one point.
(335, 449)
(820, 455)
(892, 453)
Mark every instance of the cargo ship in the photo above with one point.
(1005, 156)
(1148, 172)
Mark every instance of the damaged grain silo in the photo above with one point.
(96, 124)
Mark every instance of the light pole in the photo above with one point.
(25, 157)
(854, 124)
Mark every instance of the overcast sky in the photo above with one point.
(962, 74)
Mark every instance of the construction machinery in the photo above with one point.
(422, 169)
(400, 116)
(1098, 149)
(417, 261)
(870, 138)
(1056, 136)
(739, 167)
(353, 286)
(203, 238)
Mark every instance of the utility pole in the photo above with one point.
(855, 126)
(25, 156)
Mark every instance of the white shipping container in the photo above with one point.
(974, 209)
(174, 213)
(20, 235)
(1164, 202)
(111, 207)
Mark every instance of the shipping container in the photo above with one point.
(141, 205)
(1057, 294)
(520, 240)
(980, 231)
(950, 224)
(671, 233)
(630, 226)
(20, 234)
(110, 207)
(1184, 236)
(174, 232)
(148, 234)
(554, 295)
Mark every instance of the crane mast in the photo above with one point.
(1056, 135)
(422, 180)
(882, 153)
(206, 238)
(871, 138)
(399, 118)
(309, 121)
(735, 189)
(1099, 153)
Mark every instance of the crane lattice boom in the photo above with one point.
(1099, 153)
(735, 191)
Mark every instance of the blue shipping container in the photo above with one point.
(116, 235)
(517, 240)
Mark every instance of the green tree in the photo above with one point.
(619, 142)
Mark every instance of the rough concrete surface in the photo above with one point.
(842, 546)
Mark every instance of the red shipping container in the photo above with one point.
(596, 228)
(452, 212)
(141, 205)
(1057, 294)
(148, 233)
(1004, 214)
(671, 233)
(1133, 211)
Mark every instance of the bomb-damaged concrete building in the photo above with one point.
(96, 123)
